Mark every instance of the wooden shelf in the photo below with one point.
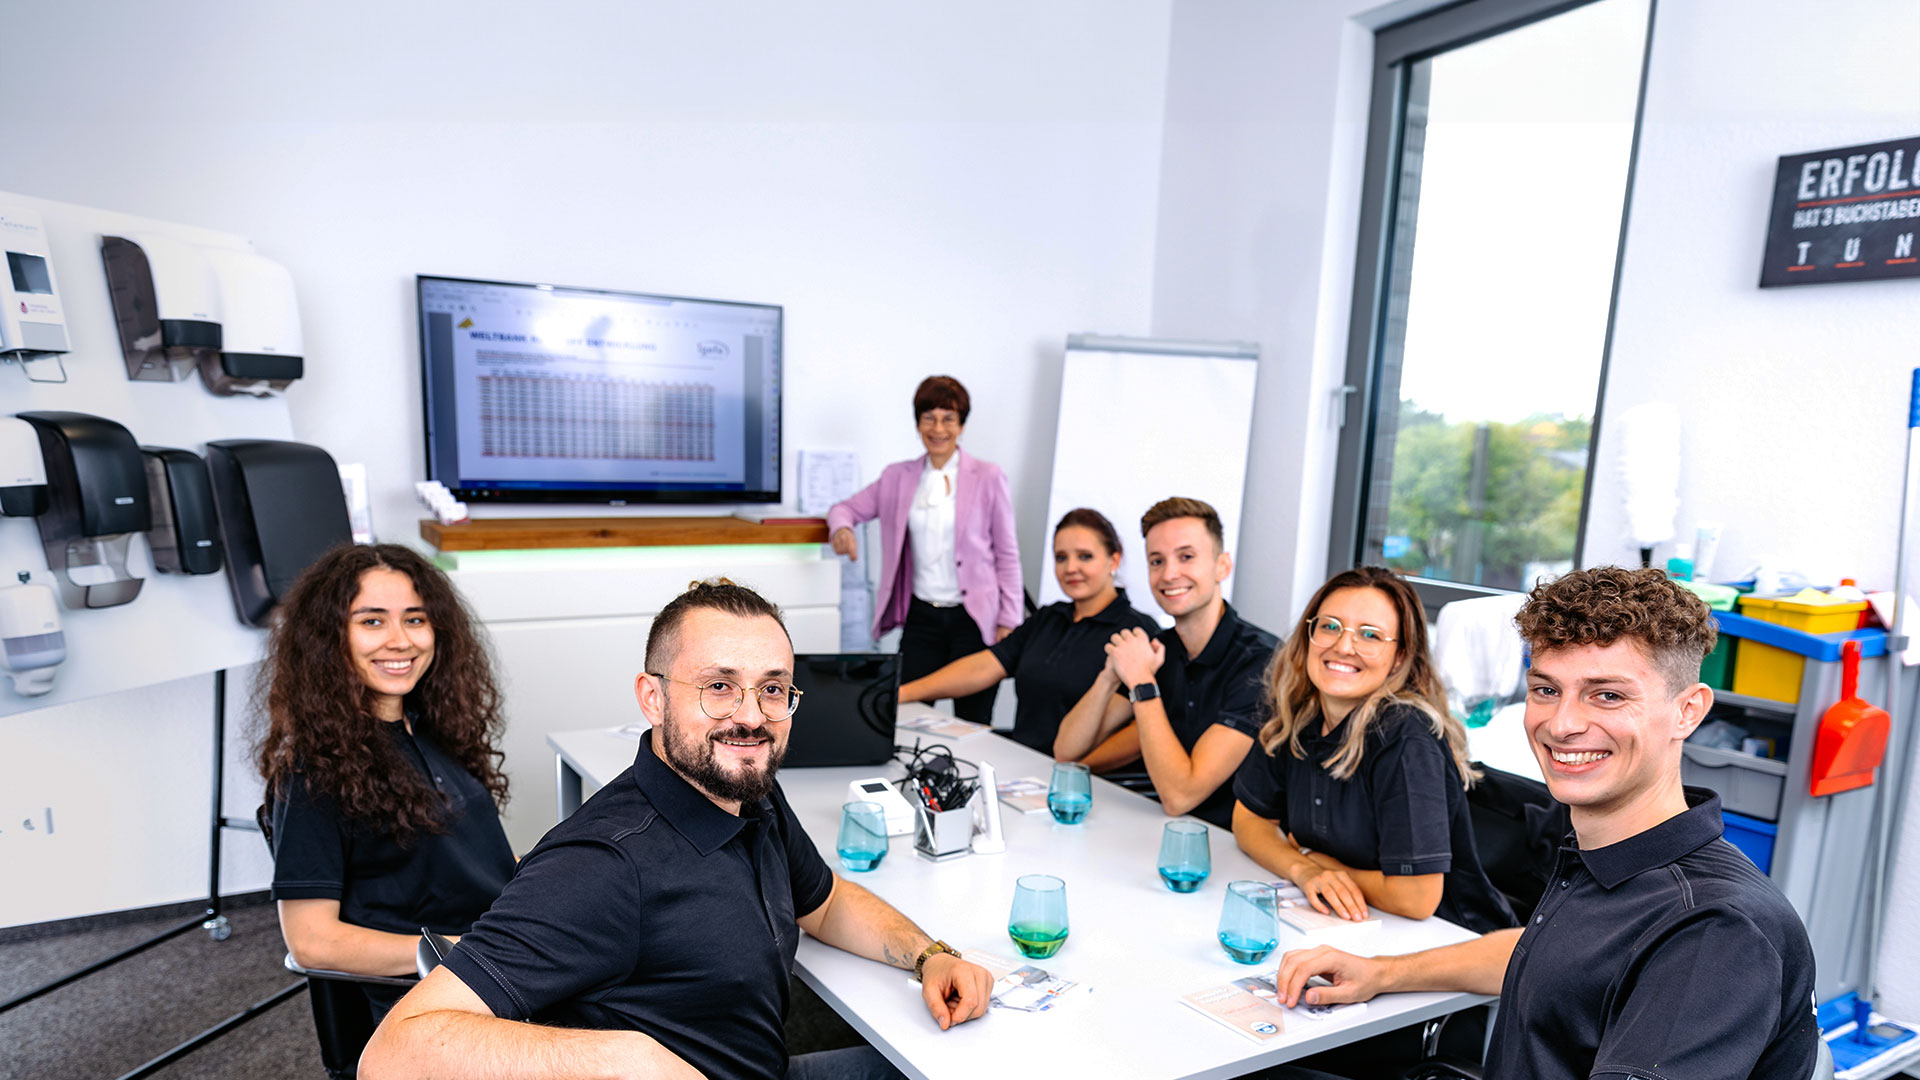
(516, 534)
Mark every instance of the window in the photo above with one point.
(1498, 167)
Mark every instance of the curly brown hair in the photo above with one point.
(319, 722)
(1671, 626)
(1294, 703)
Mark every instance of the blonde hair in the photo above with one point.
(1294, 702)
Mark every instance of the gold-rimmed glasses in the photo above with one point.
(721, 698)
(1325, 631)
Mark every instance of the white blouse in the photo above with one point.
(936, 578)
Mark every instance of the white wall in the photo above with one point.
(1794, 400)
(1259, 209)
(926, 190)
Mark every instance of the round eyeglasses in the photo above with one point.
(721, 698)
(1327, 630)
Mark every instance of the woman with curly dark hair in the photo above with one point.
(381, 763)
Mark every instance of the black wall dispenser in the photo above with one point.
(186, 529)
(97, 488)
(281, 506)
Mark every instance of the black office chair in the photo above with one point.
(1517, 831)
(342, 1015)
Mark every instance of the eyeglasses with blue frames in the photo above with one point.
(721, 698)
(1325, 630)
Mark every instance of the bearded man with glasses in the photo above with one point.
(653, 932)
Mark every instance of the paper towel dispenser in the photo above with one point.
(185, 537)
(281, 506)
(97, 500)
(23, 476)
(165, 302)
(260, 347)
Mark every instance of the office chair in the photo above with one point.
(342, 1016)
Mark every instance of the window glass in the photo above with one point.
(1512, 176)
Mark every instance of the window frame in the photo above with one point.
(1395, 49)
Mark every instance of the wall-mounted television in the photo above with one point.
(544, 393)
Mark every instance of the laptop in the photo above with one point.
(846, 709)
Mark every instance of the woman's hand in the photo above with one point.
(844, 543)
(1332, 891)
(1002, 634)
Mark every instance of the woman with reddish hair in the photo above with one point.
(949, 566)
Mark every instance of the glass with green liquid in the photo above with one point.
(1038, 922)
(1184, 858)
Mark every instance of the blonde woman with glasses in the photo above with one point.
(1356, 791)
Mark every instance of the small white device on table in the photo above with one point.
(876, 789)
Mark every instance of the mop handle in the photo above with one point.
(1891, 816)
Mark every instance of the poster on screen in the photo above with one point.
(1850, 214)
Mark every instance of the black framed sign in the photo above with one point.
(1845, 215)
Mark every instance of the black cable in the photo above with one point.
(933, 771)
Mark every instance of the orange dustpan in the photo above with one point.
(1852, 740)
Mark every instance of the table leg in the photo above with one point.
(566, 788)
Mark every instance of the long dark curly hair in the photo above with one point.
(319, 720)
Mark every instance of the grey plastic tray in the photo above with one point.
(1747, 785)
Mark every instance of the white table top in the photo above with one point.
(1137, 945)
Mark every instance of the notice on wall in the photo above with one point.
(826, 477)
(1845, 215)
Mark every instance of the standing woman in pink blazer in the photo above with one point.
(949, 566)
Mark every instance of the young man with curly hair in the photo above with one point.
(1658, 949)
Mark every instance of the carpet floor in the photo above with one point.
(112, 1022)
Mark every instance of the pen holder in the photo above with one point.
(944, 835)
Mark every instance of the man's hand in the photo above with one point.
(956, 991)
(1352, 978)
(844, 543)
(1332, 891)
(1134, 656)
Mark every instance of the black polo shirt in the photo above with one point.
(1667, 954)
(654, 910)
(1053, 660)
(1225, 685)
(442, 881)
(1403, 812)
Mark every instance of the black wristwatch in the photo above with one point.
(1146, 691)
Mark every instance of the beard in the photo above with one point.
(691, 754)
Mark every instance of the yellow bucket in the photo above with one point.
(1768, 672)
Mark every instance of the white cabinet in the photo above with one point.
(569, 632)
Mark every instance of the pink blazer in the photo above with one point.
(983, 543)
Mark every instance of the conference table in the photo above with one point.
(1136, 946)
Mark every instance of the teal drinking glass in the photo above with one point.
(1249, 922)
(1071, 794)
(863, 835)
(1038, 922)
(1184, 859)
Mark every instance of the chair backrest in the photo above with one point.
(431, 951)
(1823, 1063)
(1517, 831)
